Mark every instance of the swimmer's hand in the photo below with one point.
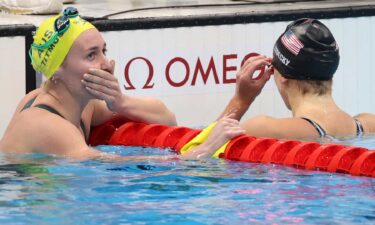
(247, 86)
(103, 85)
(226, 129)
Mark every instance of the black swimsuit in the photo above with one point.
(323, 133)
(52, 110)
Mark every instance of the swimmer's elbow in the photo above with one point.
(171, 121)
(168, 117)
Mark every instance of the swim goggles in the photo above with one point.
(62, 24)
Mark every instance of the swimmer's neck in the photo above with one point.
(305, 105)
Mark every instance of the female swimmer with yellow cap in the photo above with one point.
(81, 92)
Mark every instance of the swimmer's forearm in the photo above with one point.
(104, 156)
(202, 151)
(145, 109)
(237, 106)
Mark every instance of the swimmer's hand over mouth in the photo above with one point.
(104, 85)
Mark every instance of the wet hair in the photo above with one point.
(315, 87)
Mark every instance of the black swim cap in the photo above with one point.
(306, 50)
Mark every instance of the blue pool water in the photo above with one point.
(40, 189)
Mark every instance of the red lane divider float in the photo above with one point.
(322, 156)
(171, 136)
(126, 134)
(306, 155)
(298, 155)
(344, 159)
(364, 165)
(185, 139)
(236, 146)
(146, 135)
(255, 150)
(278, 151)
(102, 133)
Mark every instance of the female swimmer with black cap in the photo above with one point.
(305, 57)
(80, 92)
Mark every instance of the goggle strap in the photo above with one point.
(48, 43)
(32, 60)
(31, 56)
(73, 16)
(63, 31)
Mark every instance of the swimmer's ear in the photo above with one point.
(58, 73)
(282, 79)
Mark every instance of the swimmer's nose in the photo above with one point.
(106, 64)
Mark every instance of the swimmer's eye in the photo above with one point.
(91, 56)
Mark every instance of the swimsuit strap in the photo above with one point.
(28, 104)
(359, 126)
(318, 128)
(82, 124)
(52, 110)
(49, 109)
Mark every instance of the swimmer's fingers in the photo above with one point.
(231, 114)
(252, 59)
(227, 129)
(96, 82)
(267, 74)
(103, 74)
(109, 99)
(250, 68)
(247, 88)
(113, 83)
(229, 119)
(106, 90)
(100, 94)
(99, 76)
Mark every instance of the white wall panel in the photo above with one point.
(200, 104)
(12, 77)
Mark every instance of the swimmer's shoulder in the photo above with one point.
(31, 95)
(368, 122)
(282, 128)
(46, 132)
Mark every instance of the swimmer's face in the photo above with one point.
(88, 51)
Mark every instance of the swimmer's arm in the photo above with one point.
(105, 86)
(201, 151)
(57, 136)
(280, 128)
(368, 122)
(145, 109)
(139, 109)
(238, 106)
(226, 129)
(247, 88)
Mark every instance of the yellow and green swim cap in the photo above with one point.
(53, 40)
